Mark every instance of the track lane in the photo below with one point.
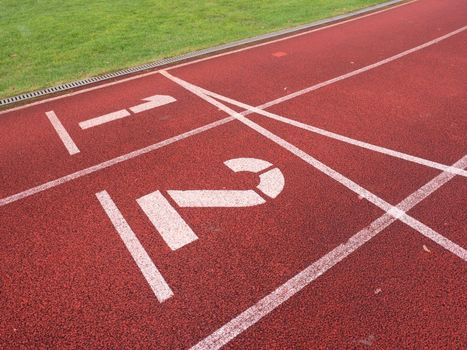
(65, 269)
(67, 278)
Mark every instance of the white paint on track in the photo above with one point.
(171, 226)
(62, 133)
(106, 118)
(335, 175)
(152, 102)
(270, 302)
(252, 165)
(150, 272)
(216, 198)
(271, 183)
(335, 136)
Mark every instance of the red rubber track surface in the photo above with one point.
(68, 281)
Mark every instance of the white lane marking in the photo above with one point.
(150, 272)
(335, 136)
(62, 133)
(270, 302)
(171, 226)
(130, 155)
(108, 163)
(142, 75)
(152, 102)
(104, 119)
(216, 198)
(351, 185)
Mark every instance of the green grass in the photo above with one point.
(45, 42)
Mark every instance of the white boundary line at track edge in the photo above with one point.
(336, 136)
(64, 136)
(142, 75)
(270, 302)
(335, 175)
(110, 162)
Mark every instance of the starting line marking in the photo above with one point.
(62, 133)
(270, 302)
(136, 153)
(345, 181)
(150, 272)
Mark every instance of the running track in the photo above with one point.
(132, 230)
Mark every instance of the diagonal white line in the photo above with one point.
(351, 185)
(270, 302)
(336, 136)
(62, 133)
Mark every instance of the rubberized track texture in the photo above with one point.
(305, 193)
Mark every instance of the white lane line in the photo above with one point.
(119, 159)
(142, 75)
(110, 162)
(269, 303)
(104, 119)
(62, 133)
(345, 181)
(361, 70)
(150, 272)
(338, 137)
(171, 226)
